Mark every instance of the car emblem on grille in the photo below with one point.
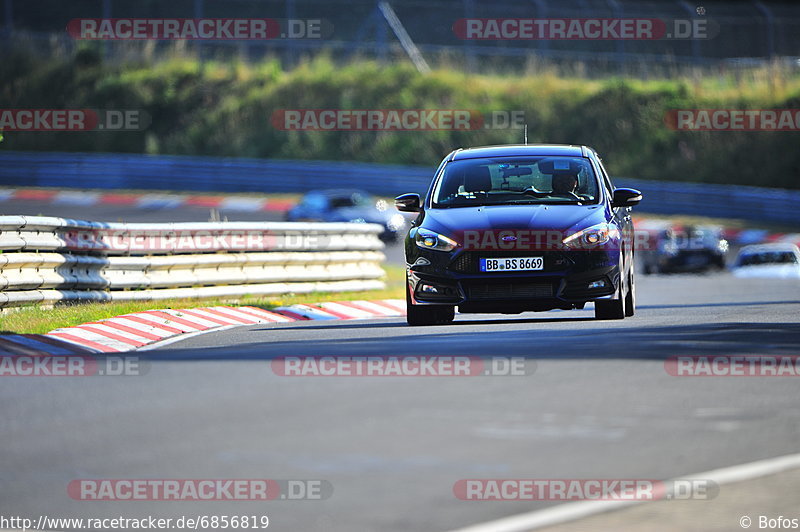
(509, 238)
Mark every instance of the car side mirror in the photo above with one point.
(408, 203)
(626, 197)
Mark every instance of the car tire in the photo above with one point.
(630, 296)
(446, 314)
(609, 309)
(422, 315)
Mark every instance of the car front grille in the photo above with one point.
(509, 291)
(462, 263)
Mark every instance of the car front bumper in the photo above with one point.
(455, 279)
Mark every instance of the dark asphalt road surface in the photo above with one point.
(599, 405)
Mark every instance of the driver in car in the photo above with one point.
(565, 185)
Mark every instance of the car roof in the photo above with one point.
(771, 247)
(514, 150)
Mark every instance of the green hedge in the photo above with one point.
(224, 109)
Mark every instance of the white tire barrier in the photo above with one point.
(50, 260)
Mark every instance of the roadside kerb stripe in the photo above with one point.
(83, 341)
(266, 314)
(200, 315)
(127, 332)
(137, 328)
(114, 335)
(351, 311)
(151, 321)
(177, 320)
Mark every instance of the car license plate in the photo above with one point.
(515, 264)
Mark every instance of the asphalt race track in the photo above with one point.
(600, 404)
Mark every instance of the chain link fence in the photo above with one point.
(739, 35)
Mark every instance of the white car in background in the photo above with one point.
(777, 260)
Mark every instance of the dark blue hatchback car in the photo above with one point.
(509, 229)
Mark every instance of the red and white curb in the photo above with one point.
(129, 332)
(146, 200)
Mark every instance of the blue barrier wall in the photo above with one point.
(209, 174)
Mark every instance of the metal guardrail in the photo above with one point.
(47, 260)
(115, 171)
(717, 201)
(211, 174)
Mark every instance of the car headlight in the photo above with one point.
(396, 222)
(595, 235)
(430, 240)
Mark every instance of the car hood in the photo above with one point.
(564, 218)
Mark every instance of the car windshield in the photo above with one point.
(768, 257)
(516, 180)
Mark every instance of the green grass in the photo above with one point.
(40, 320)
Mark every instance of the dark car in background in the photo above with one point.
(691, 249)
(346, 205)
(509, 229)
